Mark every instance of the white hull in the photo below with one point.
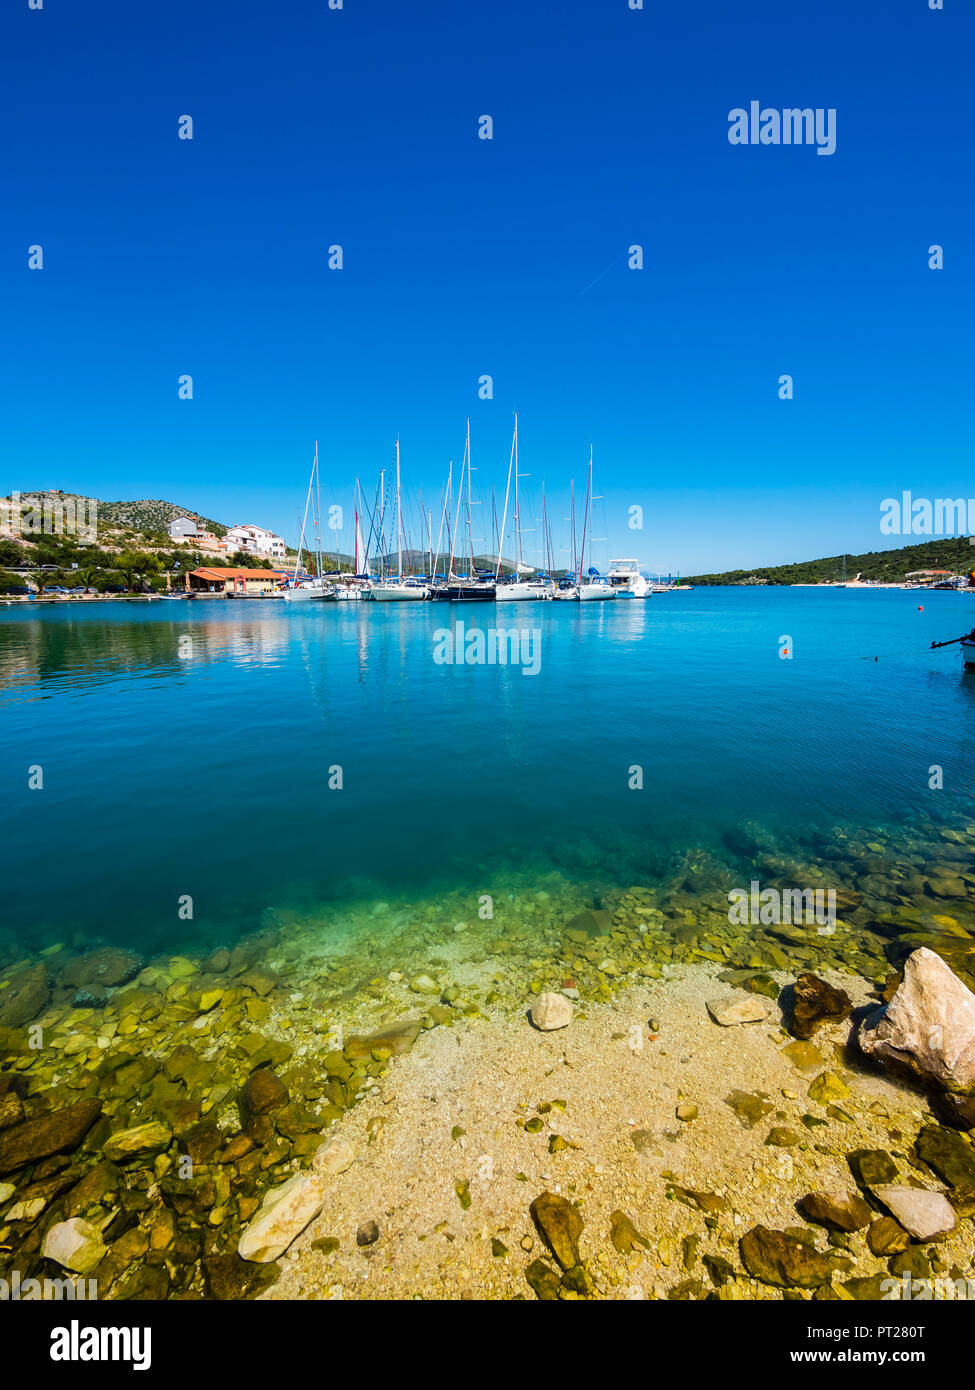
(567, 595)
(591, 593)
(521, 593)
(968, 653)
(398, 593)
(306, 592)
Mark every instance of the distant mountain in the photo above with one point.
(953, 553)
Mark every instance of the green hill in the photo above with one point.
(150, 515)
(954, 553)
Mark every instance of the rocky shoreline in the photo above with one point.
(592, 1094)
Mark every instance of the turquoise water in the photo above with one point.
(200, 767)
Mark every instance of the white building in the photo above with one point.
(255, 540)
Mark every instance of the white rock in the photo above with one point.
(281, 1218)
(929, 1025)
(925, 1214)
(7, 1189)
(334, 1156)
(736, 1008)
(26, 1210)
(551, 1011)
(75, 1244)
(424, 984)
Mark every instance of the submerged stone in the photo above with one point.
(750, 1108)
(815, 1003)
(394, 1038)
(778, 1258)
(560, 1226)
(840, 1212)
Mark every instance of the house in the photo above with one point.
(256, 539)
(236, 582)
(182, 528)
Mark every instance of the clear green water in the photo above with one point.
(202, 769)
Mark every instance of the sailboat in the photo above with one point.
(594, 586)
(566, 588)
(304, 590)
(467, 588)
(517, 589)
(398, 590)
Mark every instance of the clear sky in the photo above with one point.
(507, 257)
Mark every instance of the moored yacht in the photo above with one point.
(398, 590)
(626, 579)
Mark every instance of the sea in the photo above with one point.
(174, 772)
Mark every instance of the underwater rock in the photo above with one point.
(283, 1215)
(840, 1212)
(396, 1038)
(887, 1237)
(730, 1009)
(827, 1088)
(105, 967)
(816, 1003)
(928, 1026)
(262, 1092)
(593, 922)
(24, 998)
(139, 1140)
(367, 1234)
(58, 1132)
(335, 1156)
(624, 1234)
(953, 1159)
(749, 1108)
(926, 1215)
(871, 1166)
(90, 999)
(11, 1110)
(75, 1245)
(776, 1257)
(227, 1277)
(804, 1056)
(424, 984)
(550, 1011)
(559, 1224)
(544, 1281)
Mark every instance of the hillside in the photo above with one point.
(889, 566)
(150, 515)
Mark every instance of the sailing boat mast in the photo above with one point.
(586, 517)
(507, 492)
(399, 521)
(318, 516)
(470, 532)
(517, 512)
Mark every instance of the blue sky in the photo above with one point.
(465, 257)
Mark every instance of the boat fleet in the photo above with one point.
(521, 584)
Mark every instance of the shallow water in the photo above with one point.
(186, 750)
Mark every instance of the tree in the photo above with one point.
(135, 566)
(89, 577)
